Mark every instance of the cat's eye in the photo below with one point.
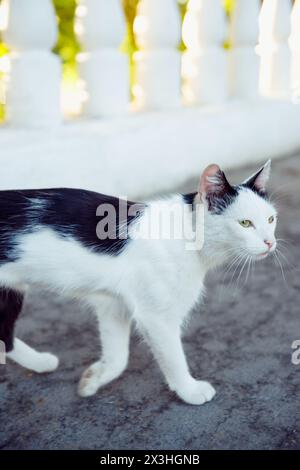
(245, 223)
(271, 219)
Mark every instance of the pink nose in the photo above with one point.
(269, 244)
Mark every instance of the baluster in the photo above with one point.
(33, 90)
(100, 26)
(204, 67)
(274, 25)
(295, 49)
(243, 60)
(157, 63)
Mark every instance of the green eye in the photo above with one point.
(245, 223)
(271, 219)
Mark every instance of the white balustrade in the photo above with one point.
(274, 23)
(100, 26)
(157, 62)
(33, 89)
(243, 59)
(204, 67)
(209, 72)
(295, 49)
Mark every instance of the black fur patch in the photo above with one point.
(70, 212)
(257, 191)
(218, 203)
(11, 303)
(252, 184)
(222, 195)
(189, 198)
(225, 194)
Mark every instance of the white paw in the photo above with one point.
(98, 375)
(197, 393)
(91, 380)
(45, 362)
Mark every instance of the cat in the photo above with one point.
(51, 238)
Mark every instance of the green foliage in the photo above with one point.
(229, 5)
(67, 45)
(182, 9)
(3, 51)
(129, 45)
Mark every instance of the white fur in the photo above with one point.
(154, 282)
(258, 211)
(31, 359)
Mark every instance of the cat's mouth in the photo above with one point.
(263, 255)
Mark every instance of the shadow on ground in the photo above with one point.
(240, 340)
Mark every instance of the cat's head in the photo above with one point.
(242, 216)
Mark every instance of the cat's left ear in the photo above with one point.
(259, 180)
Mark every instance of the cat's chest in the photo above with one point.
(184, 287)
(189, 278)
(175, 278)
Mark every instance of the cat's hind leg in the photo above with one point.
(11, 302)
(114, 330)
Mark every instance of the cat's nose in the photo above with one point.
(269, 244)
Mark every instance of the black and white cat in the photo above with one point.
(51, 238)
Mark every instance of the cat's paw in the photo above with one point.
(98, 375)
(197, 393)
(90, 380)
(44, 362)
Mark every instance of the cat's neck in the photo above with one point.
(215, 250)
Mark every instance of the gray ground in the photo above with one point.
(240, 341)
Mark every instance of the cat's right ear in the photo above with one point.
(259, 180)
(213, 185)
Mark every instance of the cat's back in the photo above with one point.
(62, 204)
(69, 213)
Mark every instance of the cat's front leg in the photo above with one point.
(163, 335)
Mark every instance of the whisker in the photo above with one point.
(242, 269)
(232, 263)
(236, 264)
(248, 270)
(285, 258)
(281, 268)
(241, 260)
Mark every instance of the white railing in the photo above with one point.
(275, 29)
(33, 90)
(100, 27)
(157, 63)
(204, 62)
(243, 59)
(164, 78)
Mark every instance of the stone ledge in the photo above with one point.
(142, 154)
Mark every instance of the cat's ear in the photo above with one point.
(214, 186)
(259, 180)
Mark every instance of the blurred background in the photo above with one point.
(136, 97)
(68, 45)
